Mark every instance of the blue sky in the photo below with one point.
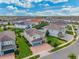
(39, 7)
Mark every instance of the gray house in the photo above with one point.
(7, 42)
(55, 29)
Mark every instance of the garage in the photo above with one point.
(8, 51)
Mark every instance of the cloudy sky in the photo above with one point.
(39, 7)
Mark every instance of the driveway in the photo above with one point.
(41, 48)
(8, 56)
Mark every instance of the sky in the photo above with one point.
(39, 7)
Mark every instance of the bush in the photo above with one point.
(17, 52)
(35, 57)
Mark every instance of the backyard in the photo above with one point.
(23, 47)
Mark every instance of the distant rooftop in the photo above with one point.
(36, 20)
(55, 26)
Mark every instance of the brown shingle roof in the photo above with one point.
(55, 26)
(7, 35)
(34, 31)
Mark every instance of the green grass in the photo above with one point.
(57, 48)
(69, 27)
(54, 41)
(1, 29)
(40, 25)
(35, 57)
(17, 30)
(69, 32)
(24, 49)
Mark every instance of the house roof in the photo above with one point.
(7, 35)
(56, 26)
(36, 20)
(33, 32)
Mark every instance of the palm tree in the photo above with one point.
(72, 56)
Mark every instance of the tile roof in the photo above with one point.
(36, 20)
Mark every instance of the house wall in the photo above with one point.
(29, 38)
(0, 48)
(53, 32)
(11, 42)
(23, 26)
(20, 26)
(36, 43)
(1, 53)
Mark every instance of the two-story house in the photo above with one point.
(23, 25)
(7, 42)
(34, 36)
(56, 29)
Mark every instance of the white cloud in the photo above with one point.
(9, 1)
(71, 9)
(11, 8)
(34, 0)
(28, 3)
(57, 1)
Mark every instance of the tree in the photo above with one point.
(72, 56)
(47, 33)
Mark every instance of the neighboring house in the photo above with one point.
(55, 29)
(3, 23)
(36, 21)
(7, 42)
(77, 30)
(23, 25)
(34, 36)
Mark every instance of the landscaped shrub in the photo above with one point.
(35, 57)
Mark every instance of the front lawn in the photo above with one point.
(54, 41)
(23, 48)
